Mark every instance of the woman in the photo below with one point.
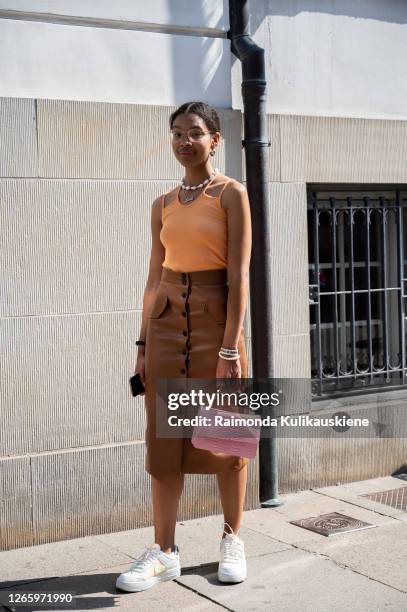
(193, 311)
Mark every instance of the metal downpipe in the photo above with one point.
(256, 145)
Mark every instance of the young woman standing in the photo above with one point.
(192, 327)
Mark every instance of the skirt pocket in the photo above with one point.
(159, 306)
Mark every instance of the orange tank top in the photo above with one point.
(194, 235)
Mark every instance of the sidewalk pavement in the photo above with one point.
(290, 568)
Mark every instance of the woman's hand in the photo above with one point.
(141, 365)
(228, 368)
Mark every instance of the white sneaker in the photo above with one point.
(151, 567)
(232, 565)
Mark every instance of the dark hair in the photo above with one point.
(203, 110)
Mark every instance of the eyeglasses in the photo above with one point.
(193, 134)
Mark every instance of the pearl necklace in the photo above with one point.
(194, 187)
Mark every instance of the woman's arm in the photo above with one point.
(236, 203)
(155, 267)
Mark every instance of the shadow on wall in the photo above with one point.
(392, 11)
(218, 15)
(208, 13)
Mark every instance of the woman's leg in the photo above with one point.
(166, 494)
(232, 489)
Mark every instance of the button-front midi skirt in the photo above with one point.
(184, 334)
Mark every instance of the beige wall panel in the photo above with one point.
(291, 356)
(273, 129)
(15, 499)
(74, 246)
(296, 465)
(65, 382)
(274, 151)
(103, 490)
(289, 258)
(317, 462)
(359, 459)
(100, 140)
(386, 411)
(18, 138)
(90, 491)
(347, 150)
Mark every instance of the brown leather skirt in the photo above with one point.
(184, 334)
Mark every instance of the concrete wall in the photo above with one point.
(78, 180)
(332, 57)
(324, 150)
(145, 53)
(323, 57)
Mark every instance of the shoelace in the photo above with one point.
(232, 545)
(149, 554)
(232, 548)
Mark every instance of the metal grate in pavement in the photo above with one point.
(396, 498)
(332, 524)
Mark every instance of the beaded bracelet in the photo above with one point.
(228, 357)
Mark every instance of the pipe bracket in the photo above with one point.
(256, 141)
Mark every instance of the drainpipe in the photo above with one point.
(256, 146)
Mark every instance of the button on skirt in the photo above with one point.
(184, 334)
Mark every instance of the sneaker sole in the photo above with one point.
(135, 587)
(232, 579)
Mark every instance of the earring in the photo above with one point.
(212, 152)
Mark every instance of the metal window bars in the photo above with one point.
(357, 280)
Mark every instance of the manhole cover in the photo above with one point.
(396, 498)
(332, 523)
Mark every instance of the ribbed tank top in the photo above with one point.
(195, 235)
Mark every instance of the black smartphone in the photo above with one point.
(136, 385)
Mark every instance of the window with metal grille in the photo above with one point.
(357, 249)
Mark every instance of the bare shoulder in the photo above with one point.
(156, 209)
(167, 197)
(157, 201)
(156, 206)
(234, 184)
(234, 194)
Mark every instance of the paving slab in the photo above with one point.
(98, 591)
(276, 523)
(198, 541)
(297, 581)
(306, 504)
(380, 554)
(56, 559)
(359, 487)
(290, 568)
(401, 517)
(352, 492)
